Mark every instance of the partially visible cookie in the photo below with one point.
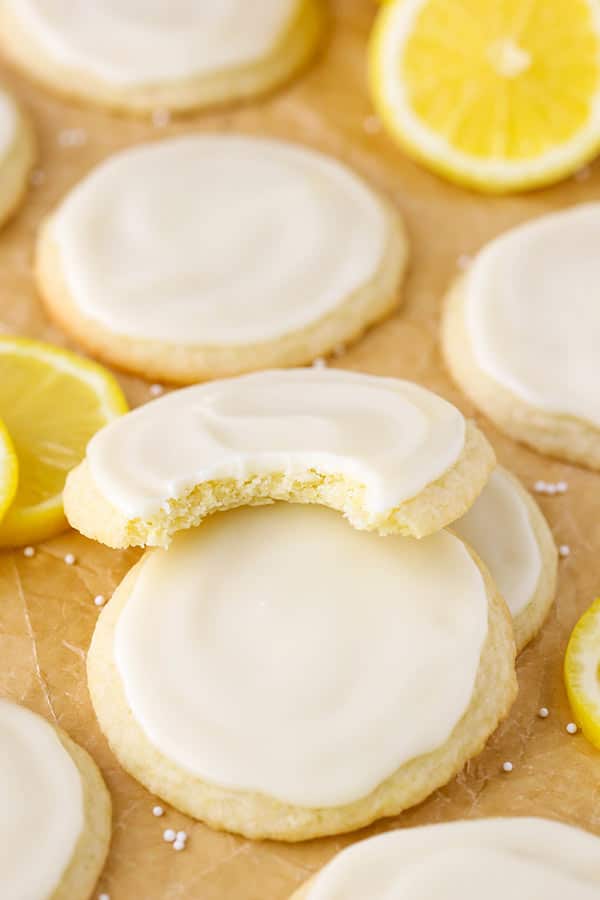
(389, 454)
(520, 333)
(55, 822)
(507, 529)
(17, 155)
(280, 674)
(139, 58)
(212, 255)
(520, 858)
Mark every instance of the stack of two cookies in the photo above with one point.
(273, 669)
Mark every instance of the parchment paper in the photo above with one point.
(47, 612)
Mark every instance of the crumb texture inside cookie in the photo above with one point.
(391, 436)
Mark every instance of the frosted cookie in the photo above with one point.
(139, 57)
(493, 858)
(212, 255)
(506, 528)
(521, 330)
(389, 454)
(55, 816)
(17, 155)
(323, 655)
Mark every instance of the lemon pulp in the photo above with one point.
(498, 94)
(582, 673)
(51, 402)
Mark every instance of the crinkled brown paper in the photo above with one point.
(47, 612)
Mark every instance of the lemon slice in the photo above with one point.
(582, 673)
(499, 95)
(52, 402)
(8, 470)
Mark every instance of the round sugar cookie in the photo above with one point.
(139, 57)
(206, 256)
(520, 858)
(17, 155)
(508, 531)
(521, 330)
(390, 455)
(55, 816)
(279, 674)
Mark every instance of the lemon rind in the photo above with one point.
(32, 524)
(488, 176)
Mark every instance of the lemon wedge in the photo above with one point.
(498, 95)
(8, 470)
(582, 673)
(51, 402)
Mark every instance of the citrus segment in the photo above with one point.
(582, 673)
(52, 402)
(497, 94)
(8, 470)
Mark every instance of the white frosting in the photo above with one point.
(520, 859)
(532, 313)
(392, 436)
(41, 808)
(144, 42)
(9, 123)
(277, 649)
(217, 239)
(499, 529)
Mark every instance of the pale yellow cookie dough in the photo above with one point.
(437, 505)
(16, 162)
(259, 816)
(186, 363)
(291, 52)
(528, 622)
(565, 437)
(92, 849)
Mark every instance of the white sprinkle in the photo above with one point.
(69, 558)
(161, 117)
(550, 488)
(103, 896)
(181, 836)
(463, 261)
(156, 390)
(158, 811)
(564, 550)
(572, 728)
(507, 766)
(99, 600)
(543, 712)
(37, 177)
(72, 137)
(29, 552)
(169, 835)
(319, 363)
(371, 125)
(178, 845)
